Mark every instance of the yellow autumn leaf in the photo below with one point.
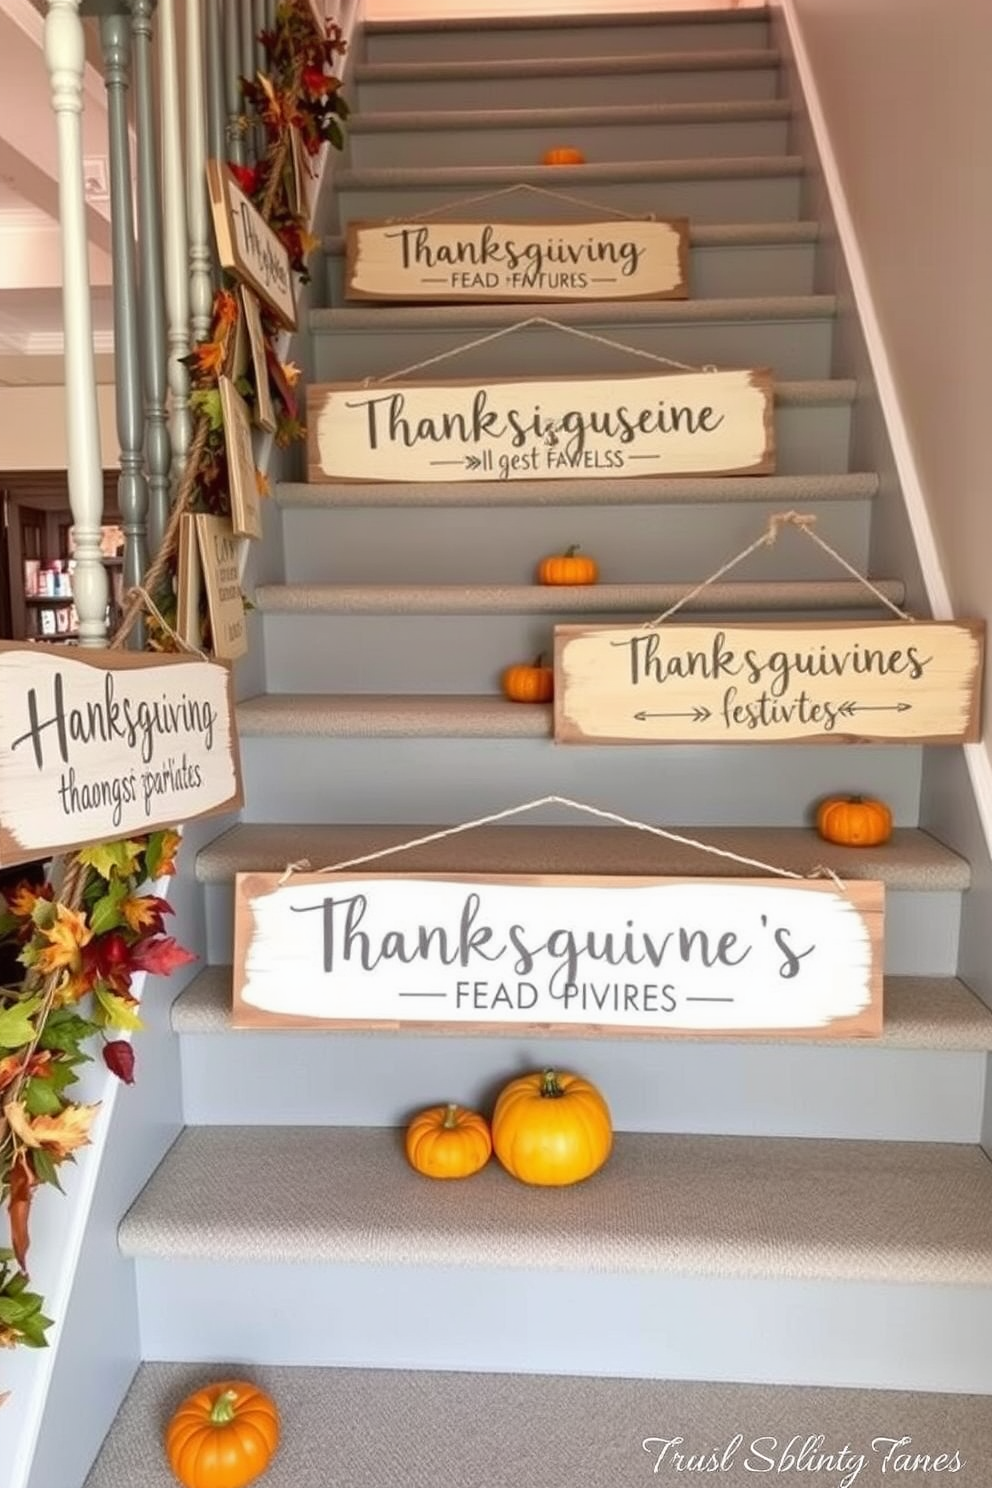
(108, 858)
(66, 938)
(58, 1135)
(139, 912)
(22, 900)
(292, 373)
(262, 483)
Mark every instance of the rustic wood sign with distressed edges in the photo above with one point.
(220, 565)
(248, 247)
(823, 682)
(580, 428)
(479, 261)
(96, 745)
(251, 318)
(559, 955)
(246, 503)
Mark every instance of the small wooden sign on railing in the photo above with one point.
(579, 428)
(516, 261)
(96, 745)
(247, 245)
(575, 955)
(824, 682)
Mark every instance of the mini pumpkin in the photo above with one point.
(570, 567)
(448, 1142)
(563, 155)
(529, 684)
(854, 821)
(222, 1436)
(551, 1128)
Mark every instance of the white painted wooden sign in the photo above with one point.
(826, 681)
(246, 503)
(563, 955)
(247, 245)
(478, 261)
(96, 745)
(584, 428)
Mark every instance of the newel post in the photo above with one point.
(65, 58)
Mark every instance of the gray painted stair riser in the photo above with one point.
(794, 348)
(610, 37)
(863, 1334)
(730, 198)
(554, 88)
(717, 272)
(921, 928)
(598, 142)
(378, 779)
(380, 1079)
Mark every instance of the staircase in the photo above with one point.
(791, 1238)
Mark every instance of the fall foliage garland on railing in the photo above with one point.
(84, 935)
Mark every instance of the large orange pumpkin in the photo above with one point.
(529, 684)
(551, 1128)
(223, 1436)
(570, 567)
(854, 821)
(448, 1142)
(563, 155)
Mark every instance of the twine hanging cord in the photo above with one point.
(819, 871)
(565, 196)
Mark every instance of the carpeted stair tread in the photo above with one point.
(701, 235)
(505, 70)
(927, 1012)
(704, 1206)
(402, 121)
(396, 716)
(390, 318)
(911, 860)
(662, 491)
(383, 1428)
(592, 599)
(413, 25)
(484, 177)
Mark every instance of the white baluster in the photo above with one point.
(65, 58)
(176, 240)
(200, 290)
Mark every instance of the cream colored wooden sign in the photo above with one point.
(827, 682)
(252, 320)
(444, 261)
(246, 504)
(584, 428)
(247, 245)
(220, 564)
(96, 745)
(559, 955)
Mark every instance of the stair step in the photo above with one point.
(671, 490)
(537, 599)
(726, 260)
(745, 188)
(499, 136)
(911, 860)
(429, 38)
(507, 1430)
(536, 82)
(791, 334)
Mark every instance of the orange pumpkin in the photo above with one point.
(563, 155)
(222, 1436)
(448, 1142)
(854, 821)
(551, 1128)
(529, 684)
(570, 567)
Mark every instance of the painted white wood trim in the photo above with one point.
(176, 242)
(941, 602)
(200, 288)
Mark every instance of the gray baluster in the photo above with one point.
(216, 101)
(260, 23)
(232, 83)
(248, 67)
(151, 279)
(197, 216)
(132, 490)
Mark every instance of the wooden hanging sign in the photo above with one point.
(247, 245)
(824, 682)
(96, 745)
(499, 261)
(246, 504)
(220, 567)
(575, 428)
(575, 955)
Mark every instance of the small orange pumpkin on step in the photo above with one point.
(563, 155)
(570, 567)
(223, 1436)
(533, 683)
(854, 821)
(448, 1142)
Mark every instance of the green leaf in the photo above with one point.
(65, 1031)
(16, 1028)
(110, 858)
(43, 914)
(45, 1170)
(8, 923)
(207, 402)
(335, 134)
(41, 1097)
(106, 914)
(117, 1012)
(32, 1331)
(14, 1309)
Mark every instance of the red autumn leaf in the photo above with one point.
(21, 1184)
(118, 1056)
(315, 80)
(160, 955)
(246, 176)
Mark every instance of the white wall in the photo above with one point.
(32, 428)
(376, 10)
(904, 85)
